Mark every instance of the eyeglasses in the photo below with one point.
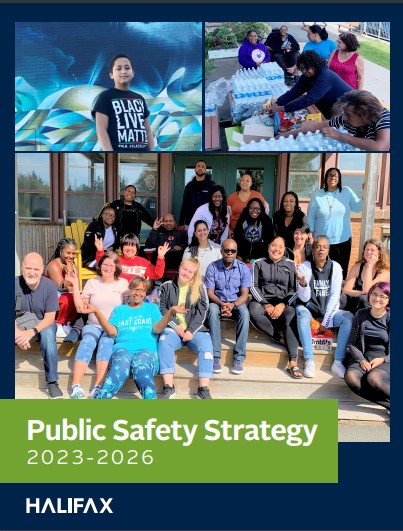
(230, 251)
(380, 297)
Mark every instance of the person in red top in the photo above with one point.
(346, 62)
(132, 264)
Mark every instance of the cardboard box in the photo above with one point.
(257, 132)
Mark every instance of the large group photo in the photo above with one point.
(231, 276)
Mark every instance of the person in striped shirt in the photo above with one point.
(358, 119)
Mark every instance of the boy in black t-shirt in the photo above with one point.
(121, 115)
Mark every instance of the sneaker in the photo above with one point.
(203, 392)
(77, 392)
(72, 337)
(60, 331)
(237, 367)
(95, 392)
(338, 368)
(168, 392)
(67, 328)
(309, 369)
(54, 391)
(217, 366)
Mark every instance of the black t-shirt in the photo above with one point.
(127, 112)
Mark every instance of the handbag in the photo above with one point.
(24, 320)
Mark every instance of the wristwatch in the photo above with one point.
(35, 331)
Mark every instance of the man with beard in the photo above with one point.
(37, 295)
(165, 230)
(196, 193)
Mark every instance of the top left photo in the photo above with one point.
(108, 86)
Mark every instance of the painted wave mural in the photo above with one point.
(61, 68)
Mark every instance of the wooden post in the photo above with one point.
(369, 197)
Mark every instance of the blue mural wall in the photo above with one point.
(61, 67)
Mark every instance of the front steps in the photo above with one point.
(264, 376)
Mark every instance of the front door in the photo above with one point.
(226, 170)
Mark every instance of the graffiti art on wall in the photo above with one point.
(60, 69)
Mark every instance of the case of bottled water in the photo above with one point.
(310, 141)
(253, 87)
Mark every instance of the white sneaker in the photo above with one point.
(60, 331)
(67, 328)
(309, 369)
(338, 368)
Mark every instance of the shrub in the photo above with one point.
(240, 29)
(221, 37)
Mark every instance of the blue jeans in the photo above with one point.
(48, 346)
(143, 365)
(241, 315)
(170, 341)
(91, 337)
(341, 319)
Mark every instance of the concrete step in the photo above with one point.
(261, 350)
(255, 382)
(348, 412)
(264, 376)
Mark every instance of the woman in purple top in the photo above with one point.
(253, 53)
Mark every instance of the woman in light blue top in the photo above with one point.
(329, 215)
(318, 41)
(135, 327)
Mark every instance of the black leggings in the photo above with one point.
(286, 60)
(340, 252)
(272, 327)
(373, 385)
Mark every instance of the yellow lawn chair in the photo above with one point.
(76, 231)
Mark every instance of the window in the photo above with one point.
(142, 171)
(352, 167)
(84, 185)
(257, 178)
(33, 170)
(304, 174)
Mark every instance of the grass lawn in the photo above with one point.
(376, 51)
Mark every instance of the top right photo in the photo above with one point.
(297, 86)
